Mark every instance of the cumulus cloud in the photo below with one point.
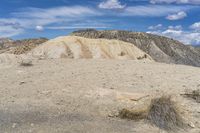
(177, 16)
(39, 28)
(195, 2)
(177, 33)
(111, 4)
(195, 26)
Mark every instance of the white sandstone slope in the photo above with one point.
(84, 48)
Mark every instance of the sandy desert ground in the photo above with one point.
(81, 96)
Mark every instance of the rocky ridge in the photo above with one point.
(161, 49)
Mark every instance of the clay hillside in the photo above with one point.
(161, 49)
(73, 47)
(79, 47)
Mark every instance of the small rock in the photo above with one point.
(112, 115)
(14, 125)
(112, 88)
(22, 82)
(191, 125)
(32, 124)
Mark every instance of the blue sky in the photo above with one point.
(178, 19)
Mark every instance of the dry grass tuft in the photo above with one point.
(133, 114)
(195, 94)
(162, 112)
(165, 114)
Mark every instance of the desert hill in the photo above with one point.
(5, 43)
(79, 47)
(161, 49)
(197, 47)
(59, 86)
(18, 47)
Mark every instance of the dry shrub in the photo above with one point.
(165, 114)
(133, 114)
(195, 94)
(162, 112)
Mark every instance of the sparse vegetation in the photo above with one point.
(138, 114)
(195, 94)
(165, 114)
(19, 46)
(162, 112)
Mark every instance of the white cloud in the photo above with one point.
(176, 32)
(39, 28)
(36, 18)
(65, 11)
(10, 27)
(177, 16)
(177, 27)
(156, 27)
(8, 31)
(58, 17)
(175, 1)
(111, 4)
(195, 26)
(153, 10)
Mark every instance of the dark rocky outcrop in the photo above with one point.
(161, 49)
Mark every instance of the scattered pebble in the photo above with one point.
(32, 124)
(22, 82)
(14, 125)
(191, 125)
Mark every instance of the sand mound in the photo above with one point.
(79, 47)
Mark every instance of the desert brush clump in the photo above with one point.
(138, 114)
(195, 94)
(162, 112)
(165, 114)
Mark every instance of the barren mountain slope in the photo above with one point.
(19, 46)
(5, 43)
(79, 47)
(82, 96)
(160, 48)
